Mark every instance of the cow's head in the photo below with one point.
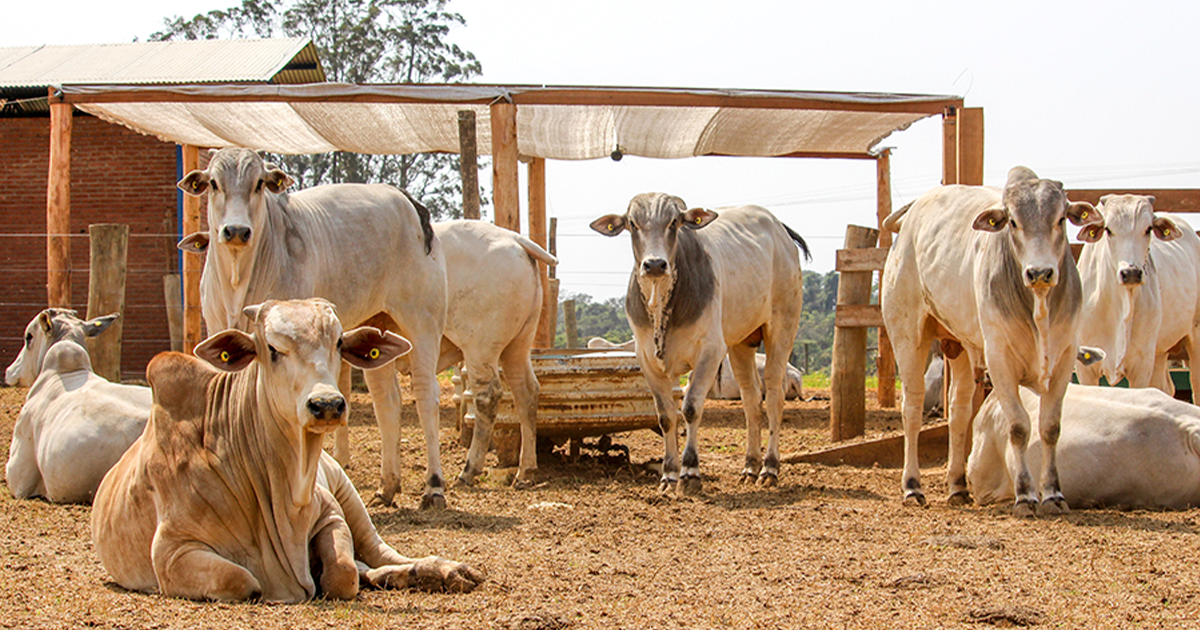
(1129, 221)
(299, 346)
(237, 182)
(46, 329)
(1034, 212)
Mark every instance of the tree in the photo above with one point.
(359, 41)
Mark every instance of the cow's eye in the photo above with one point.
(274, 352)
(214, 185)
(258, 187)
(1149, 230)
(339, 344)
(1108, 232)
(28, 339)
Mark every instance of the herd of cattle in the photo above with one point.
(211, 483)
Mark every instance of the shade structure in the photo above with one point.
(563, 123)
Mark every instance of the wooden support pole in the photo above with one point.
(949, 147)
(506, 196)
(58, 206)
(193, 266)
(570, 331)
(550, 299)
(885, 362)
(537, 233)
(468, 163)
(970, 146)
(173, 298)
(106, 295)
(847, 408)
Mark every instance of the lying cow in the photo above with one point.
(367, 248)
(494, 296)
(703, 286)
(989, 272)
(725, 387)
(227, 494)
(1141, 286)
(1119, 447)
(74, 425)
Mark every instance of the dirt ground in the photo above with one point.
(594, 546)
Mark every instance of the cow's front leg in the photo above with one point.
(341, 437)
(1049, 427)
(703, 375)
(333, 546)
(961, 409)
(194, 571)
(428, 574)
(1016, 418)
(662, 388)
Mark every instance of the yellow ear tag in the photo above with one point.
(992, 221)
(1084, 215)
(225, 356)
(1167, 232)
(1087, 355)
(610, 227)
(374, 353)
(699, 220)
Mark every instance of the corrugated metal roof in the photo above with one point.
(26, 71)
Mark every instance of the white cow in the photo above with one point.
(494, 295)
(1141, 286)
(365, 247)
(989, 271)
(725, 387)
(1118, 447)
(702, 286)
(74, 425)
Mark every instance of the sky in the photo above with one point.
(1096, 94)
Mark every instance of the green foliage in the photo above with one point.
(594, 319)
(359, 41)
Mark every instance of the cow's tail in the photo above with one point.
(800, 242)
(426, 224)
(892, 222)
(535, 250)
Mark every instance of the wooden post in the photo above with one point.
(569, 329)
(550, 298)
(58, 206)
(949, 147)
(847, 417)
(506, 196)
(468, 163)
(537, 233)
(193, 266)
(106, 295)
(970, 146)
(173, 295)
(885, 362)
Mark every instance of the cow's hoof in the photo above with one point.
(915, 499)
(689, 486)
(380, 500)
(524, 480)
(768, 480)
(1053, 507)
(666, 487)
(433, 502)
(463, 481)
(748, 478)
(1024, 509)
(959, 498)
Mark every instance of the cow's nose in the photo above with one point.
(325, 408)
(238, 234)
(1037, 277)
(1131, 275)
(654, 266)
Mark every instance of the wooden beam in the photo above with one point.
(885, 361)
(537, 233)
(887, 452)
(970, 146)
(857, 316)
(193, 266)
(506, 196)
(867, 259)
(828, 155)
(106, 295)
(58, 206)
(847, 408)
(468, 163)
(949, 147)
(1165, 199)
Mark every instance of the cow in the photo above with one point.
(989, 272)
(227, 494)
(705, 283)
(365, 247)
(74, 424)
(494, 296)
(1141, 284)
(725, 387)
(1135, 448)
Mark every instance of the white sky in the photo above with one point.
(1098, 94)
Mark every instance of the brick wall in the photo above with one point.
(117, 176)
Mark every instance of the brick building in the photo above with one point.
(117, 175)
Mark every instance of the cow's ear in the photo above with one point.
(609, 224)
(46, 321)
(277, 181)
(368, 347)
(194, 183)
(97, 325)
(1165, 229)
(697, 218)
(251, 312)
(991, 220)
(194, 243)
(1091, 233)
(228, 351)
(1083, 213)
(1088, 355)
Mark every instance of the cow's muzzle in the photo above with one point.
(1131, 276)
(654, 267)
(1036, 277)
(328, 410)
(236, 234)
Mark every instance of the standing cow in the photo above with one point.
(1141, 285)
(701, 286)
(989, 271)
(74, 424)
(227, 494)
(365, 247)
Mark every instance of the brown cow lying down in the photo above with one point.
(227, 495)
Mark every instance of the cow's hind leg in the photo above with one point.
(741, 359)
(960, 411)
(910, 362)
(486, 390)
(523, 383)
